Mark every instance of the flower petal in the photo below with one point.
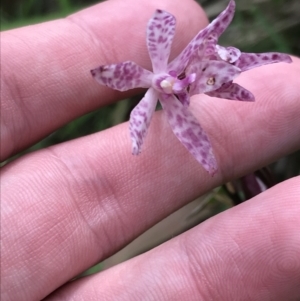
(189, 132)
(216, 27)
(140, 118)
(211, 75)
(251, 60)
(232, 91)
(123, 76)
(181, 84)
(160, 34)
(228, 54)
(184, 98)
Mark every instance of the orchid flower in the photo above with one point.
(203, 50)
(202, 67)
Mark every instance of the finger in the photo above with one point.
(250, 252)
(83, 200)
(46, 79)
(250, 127)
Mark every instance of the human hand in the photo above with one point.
(70, 206)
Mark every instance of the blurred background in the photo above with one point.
(258, 26)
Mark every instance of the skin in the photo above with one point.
(72, 205)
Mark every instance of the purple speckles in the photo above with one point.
(248, 61)
(232, 91)
(123, 76)
(184, 98)
(189, 132)
(223, 19)
(179, 120)
(140, 119)
(228, 54)
(202, 67)
(159, 39)
(216, 74)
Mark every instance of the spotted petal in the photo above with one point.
(184, 98)
(232, 91)
(228, 54)
(123, 76)
(160, 34)
(189, 132)
(140, 118)
(211, 75)
(216, 27)
(252, 60)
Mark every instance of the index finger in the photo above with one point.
(45, 68)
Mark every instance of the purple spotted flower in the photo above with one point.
(202, 67)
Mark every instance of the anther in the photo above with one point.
(211, 81)
(166, 85)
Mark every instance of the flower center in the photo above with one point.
(170, 84)
(167, 85)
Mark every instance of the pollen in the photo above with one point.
(166, 85)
